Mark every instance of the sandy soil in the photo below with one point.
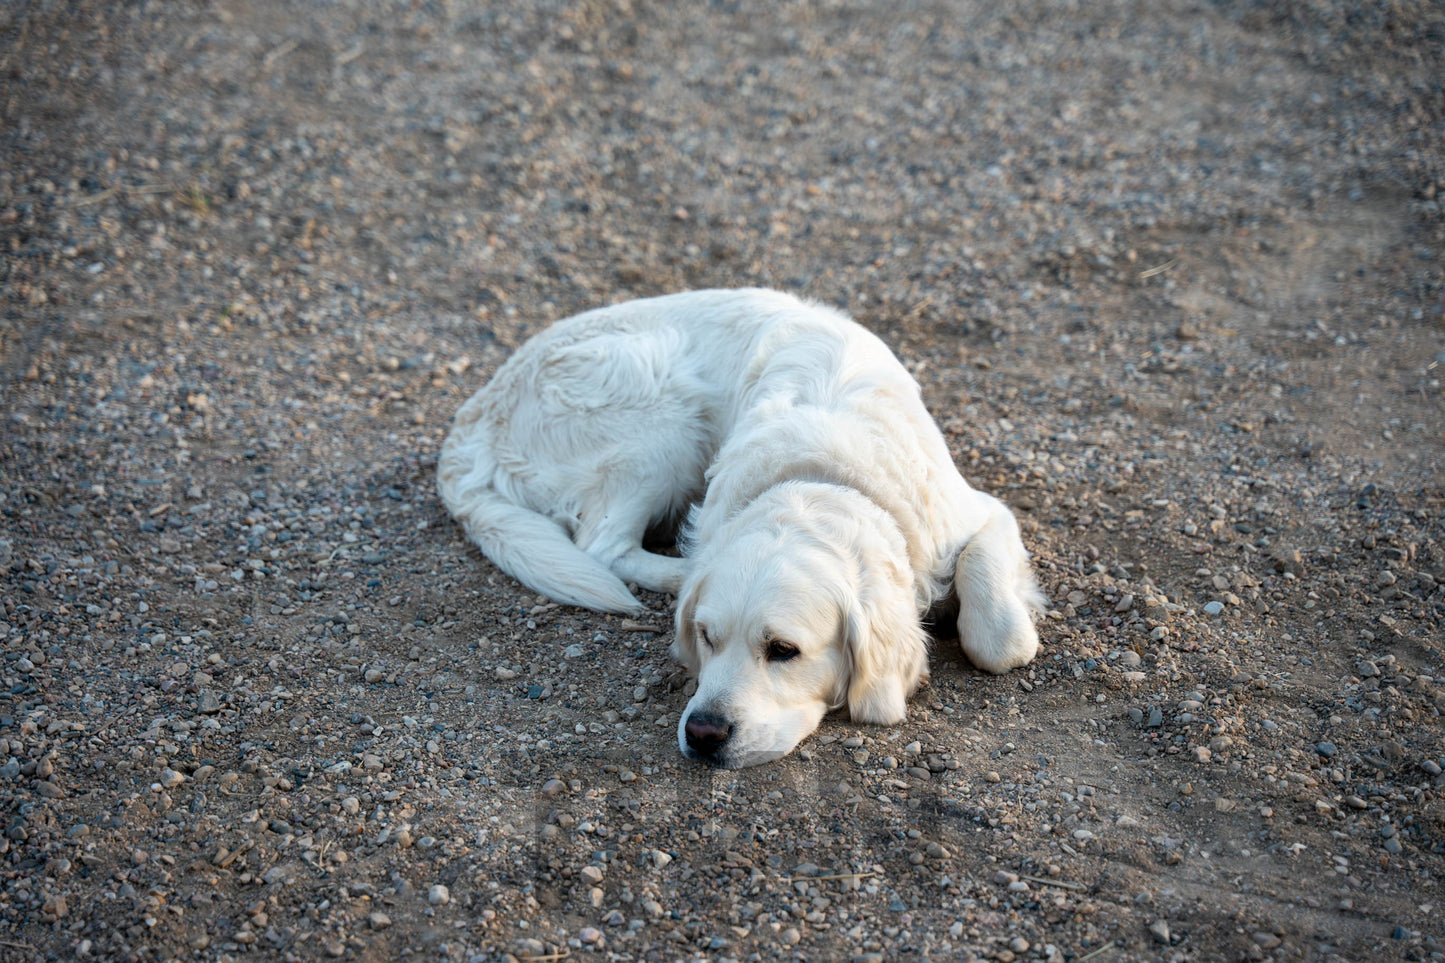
(1170, 274)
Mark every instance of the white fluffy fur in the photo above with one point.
(826, 512)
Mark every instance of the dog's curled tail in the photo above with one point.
(531, 548)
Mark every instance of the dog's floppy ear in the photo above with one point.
(887, 657)
(684, 637)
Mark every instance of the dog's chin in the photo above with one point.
(736, 760)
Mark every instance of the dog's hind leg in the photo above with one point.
(614, 537)
(656, 573)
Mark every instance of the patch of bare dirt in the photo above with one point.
(1170, 278)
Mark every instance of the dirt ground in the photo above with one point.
(1171, 275)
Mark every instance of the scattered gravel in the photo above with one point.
(1171, 279)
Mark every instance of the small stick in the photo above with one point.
(104, 195)
(1106, 946)
(278, 53)
(1061, 884)
(1158, 269)
(350, 54)
(800, 879)
(110, 192)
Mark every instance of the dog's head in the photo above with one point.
(802, 603)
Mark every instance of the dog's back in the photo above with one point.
(598, 429)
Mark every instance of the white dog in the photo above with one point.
(826, 514)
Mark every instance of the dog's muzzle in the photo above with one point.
(706, 735)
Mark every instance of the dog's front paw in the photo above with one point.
(997, 598)
(1000, 641)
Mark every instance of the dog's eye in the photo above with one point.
(780, 651)
(702, 637)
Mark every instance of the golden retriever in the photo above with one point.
(823, 514)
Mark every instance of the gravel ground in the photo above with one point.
(1171, 275)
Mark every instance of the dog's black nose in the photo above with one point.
(707, 733)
